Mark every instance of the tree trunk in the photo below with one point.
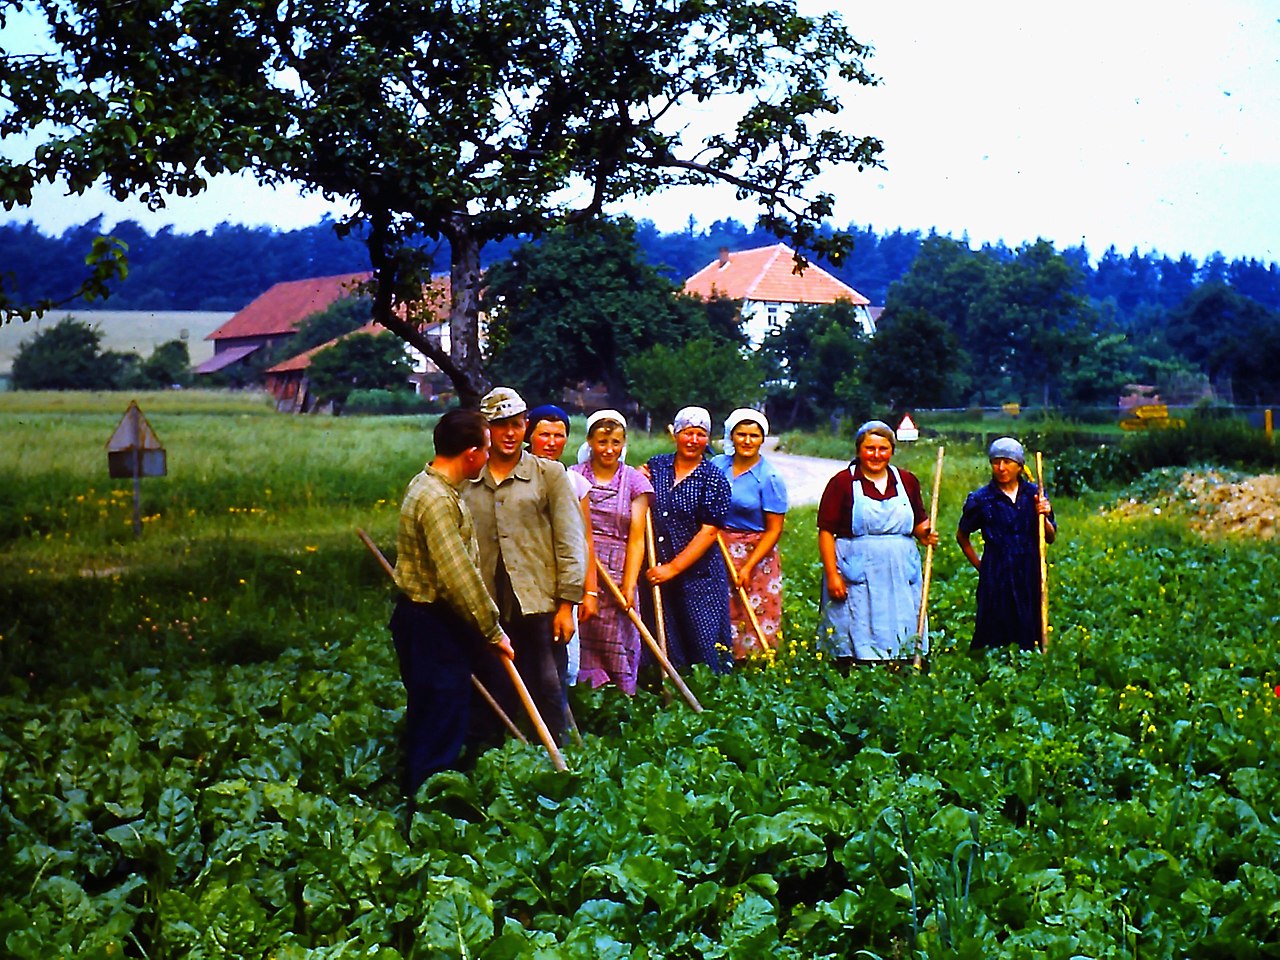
(465, 280)
(462, 363)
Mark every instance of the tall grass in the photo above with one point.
(248, 543)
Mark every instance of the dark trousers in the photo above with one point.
(437, 652)
(542, 664)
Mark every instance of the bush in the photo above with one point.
(391, 403)
(1228, 443)
(66, 356)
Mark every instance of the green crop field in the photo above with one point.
(199, 739)
(128, 331)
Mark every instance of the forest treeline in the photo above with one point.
(227, 267)
(961, 326)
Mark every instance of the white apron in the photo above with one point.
(881, 569)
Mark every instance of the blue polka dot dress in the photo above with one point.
(696, 602)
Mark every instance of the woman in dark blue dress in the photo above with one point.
(1006, 510)
(690, 502)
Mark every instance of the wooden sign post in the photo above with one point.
(135, 451)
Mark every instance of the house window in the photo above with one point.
(773, 320)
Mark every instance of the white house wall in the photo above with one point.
(760, 317)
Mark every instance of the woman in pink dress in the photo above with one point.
(619, 501)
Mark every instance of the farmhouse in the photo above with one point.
(766, 282)
(287, 380)
(274, 317)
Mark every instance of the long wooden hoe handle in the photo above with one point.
(742, 594)
(480, 687)
(928, 559)
(651, 548)
(557, 760)
(1044, 564)
(648, 638)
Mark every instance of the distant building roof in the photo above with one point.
(767, 274)
(284, 306)
(226, 357)
(303, 360)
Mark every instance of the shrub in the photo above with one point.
(1203, 440)
(391, 402)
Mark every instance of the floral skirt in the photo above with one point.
(764, 590)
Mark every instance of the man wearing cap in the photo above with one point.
(444, 617)
(532, 553)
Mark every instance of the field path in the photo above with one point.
(805, 477)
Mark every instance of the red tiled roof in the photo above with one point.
(285, 305)
(767, 274)
(303, 360)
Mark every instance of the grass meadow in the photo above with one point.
(199, 757)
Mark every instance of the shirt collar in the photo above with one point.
(523, 470)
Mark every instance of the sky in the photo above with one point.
(1145, 125)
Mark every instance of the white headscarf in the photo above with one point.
(743, 415)
(584, 451)
(691, 417)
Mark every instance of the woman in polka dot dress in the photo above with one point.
(690, 503)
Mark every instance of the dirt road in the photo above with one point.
(805, 477)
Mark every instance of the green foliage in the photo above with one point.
(107, 257)
(69, 356)
(1112, 798)
(532, 107)
(66, 356)
(168, 366)
(341, 317)
(1204, 440)
(1026, 328)
(1232, 338)
(1000, 806)
(817, 365)
(579, 304)
(390, 403)
(709, 373)
(915, 361)
(362, 361)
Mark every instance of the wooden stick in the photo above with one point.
(651, 547)
(1044, 564)
(531, 708)
(742, 593)
(645, 635)
(928, 560)
(475, 682)
(378, 554)
(497, 708)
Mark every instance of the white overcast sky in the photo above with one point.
(1143, 124)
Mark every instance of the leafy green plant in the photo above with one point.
(1109, 799)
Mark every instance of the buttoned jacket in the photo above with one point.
(534, 523)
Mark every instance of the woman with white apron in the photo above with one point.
(869, 521)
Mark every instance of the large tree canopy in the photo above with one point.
(468, 120)
(581, 302)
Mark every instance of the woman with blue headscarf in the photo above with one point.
(690, 502)
(869, 520)
(1007, 512)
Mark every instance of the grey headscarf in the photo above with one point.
(880, 429)
(1007, 448)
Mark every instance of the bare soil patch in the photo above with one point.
(1216, 503)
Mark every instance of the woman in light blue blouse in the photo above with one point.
(757, 512)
